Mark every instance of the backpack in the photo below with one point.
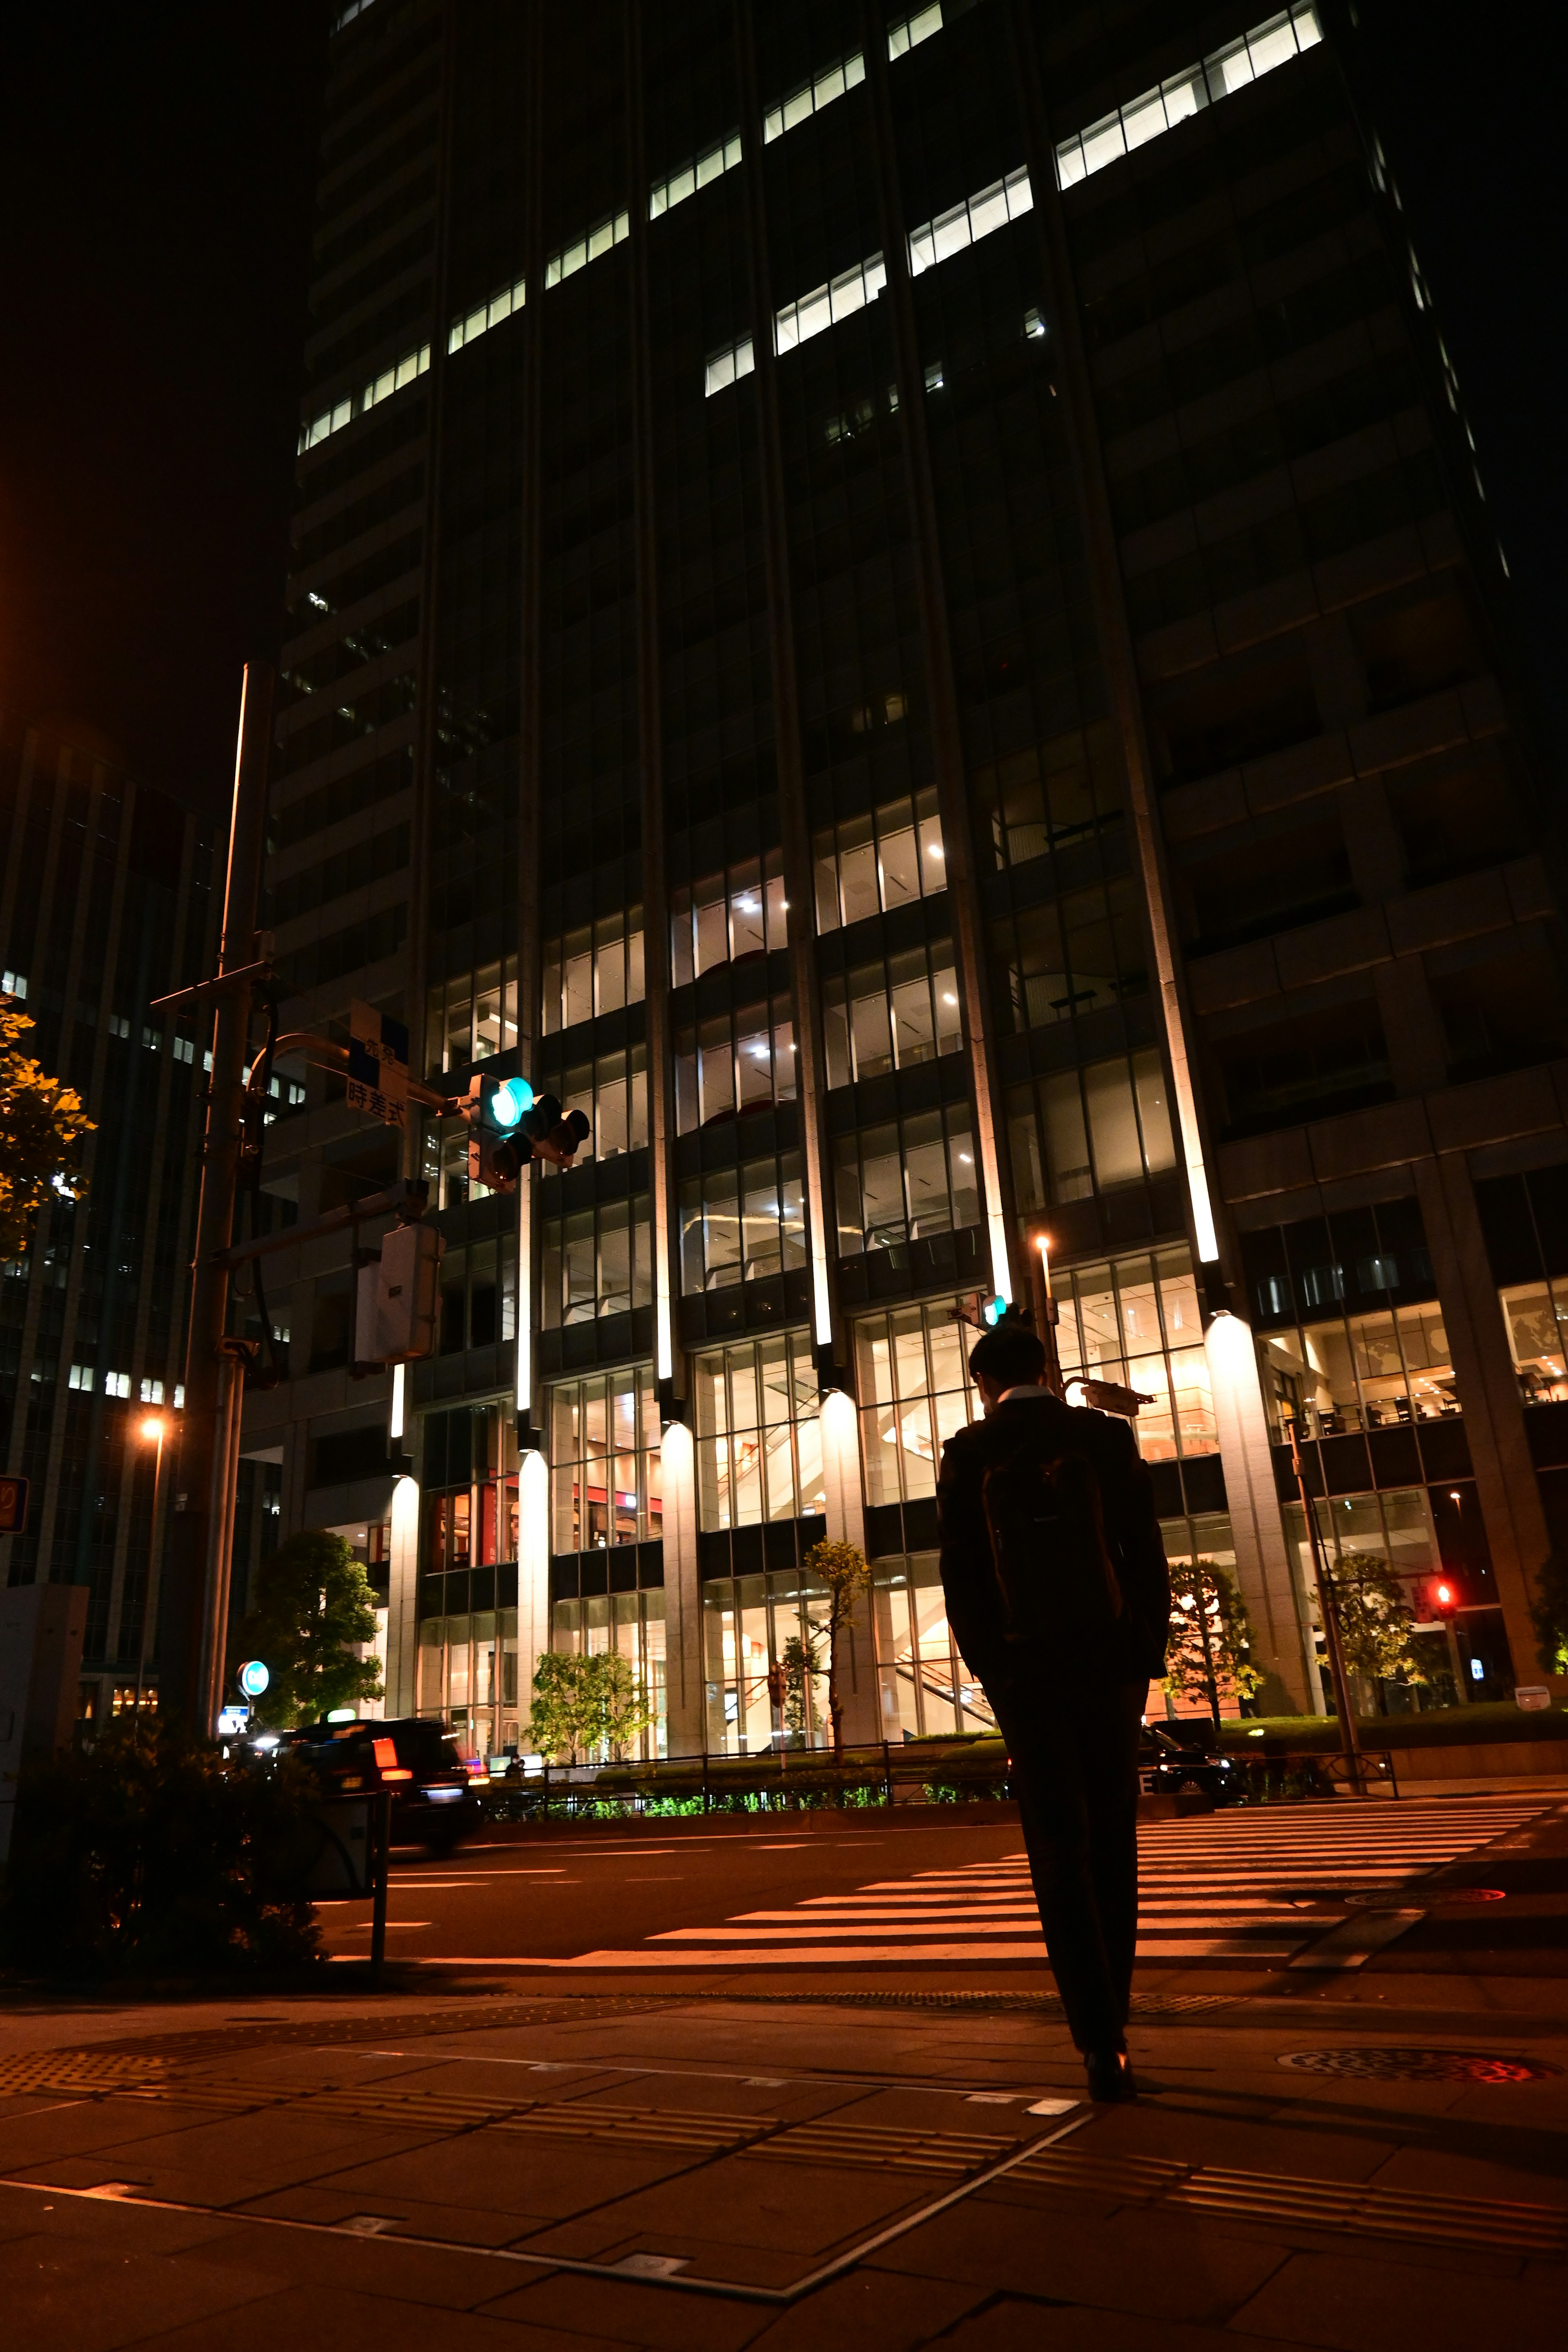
(1055, 1574)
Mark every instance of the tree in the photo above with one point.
(1549, 1614)
(1375, 1620)
(800, 1665)
(42, 1124)
(581, 1703)
(313, 1607)
(1209, 1640)
(844, 1571)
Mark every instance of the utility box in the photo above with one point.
(42, 1628)
(399, 1299)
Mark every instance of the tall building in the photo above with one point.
(106, 900)
(899, 607)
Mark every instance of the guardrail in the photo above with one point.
(781, 1780)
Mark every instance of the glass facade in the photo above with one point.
(758, 771)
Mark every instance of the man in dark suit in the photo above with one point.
(1069, 1709)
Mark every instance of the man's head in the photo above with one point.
(1005, 1360)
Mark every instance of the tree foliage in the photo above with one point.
(582, 1703)
(1209, 1644)
(1549, 1614)
(152, 1855)
(42, 1125)
(313, 1607)
(1375, 1620)
(843, 1570)
(800, 1665)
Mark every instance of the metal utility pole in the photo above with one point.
(193, 1636)
(1349, 1737)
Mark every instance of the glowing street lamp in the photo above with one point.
(152, 1431)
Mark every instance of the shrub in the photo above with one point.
(154, 1856)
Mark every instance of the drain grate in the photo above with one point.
(1376, 2066)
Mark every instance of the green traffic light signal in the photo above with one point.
(995, 1310)
(511, 1100)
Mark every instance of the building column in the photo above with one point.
(845, 1522)
(1512, 1510)
(685, 1689)
(1264, 1572)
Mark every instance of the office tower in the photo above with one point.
(899, 605)
(106, 902)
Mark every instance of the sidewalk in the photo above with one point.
(1366, 2161)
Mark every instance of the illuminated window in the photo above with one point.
(406, 370)
(613, 1091)
(1360, 1371)
(733, 1061)
(472, 1017)
(741, 1224)
(710, 165)
(1106, 1125)
(738, 913)
(1248, 59)
(613, 230)
(905, 1182)
(117, 1384)
(604, 1484)
(597, 1261)
(824, 306)
(925, 1688)
(889, 1014)
(485, 315)
(1536, 1316)
(470, 1489)
(911, 1377)
(870, 864)
(1136, 1322)
(812, 96)
(631, 1624)
(14, 983)
(759, 1442)
(728, 366)
(596, 969)
(81, 1377)
(965, 223)
(1071, 955)
(911, 31)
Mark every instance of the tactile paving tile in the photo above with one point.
(862, 2145)
(78, 2070)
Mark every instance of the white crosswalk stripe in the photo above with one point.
(1233, 1887)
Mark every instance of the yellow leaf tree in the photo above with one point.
(42, 1125)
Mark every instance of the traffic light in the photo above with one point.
(509, 1125)
(1000, 1312)
(1443, 1595)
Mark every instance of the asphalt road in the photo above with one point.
(1253, 1888)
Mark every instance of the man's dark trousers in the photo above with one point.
(1074, 1769)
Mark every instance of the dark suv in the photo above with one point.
(1173, 1763)
(432, 1805)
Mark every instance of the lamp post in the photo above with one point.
(1047, 1310)
(152, 1431)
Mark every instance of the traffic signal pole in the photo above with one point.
(191, 1636)
(1327, 1609)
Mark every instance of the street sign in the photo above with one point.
(378, 1064)
(252, 1677)
(232, 1721)
(13, 1505)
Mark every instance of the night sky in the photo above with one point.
(156, 169)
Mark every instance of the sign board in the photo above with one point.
(252, 1677)
(378, 1064)
(13, 1505)
(232, 1721)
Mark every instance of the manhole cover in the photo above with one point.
(1470, 1894)
(1419, 2065)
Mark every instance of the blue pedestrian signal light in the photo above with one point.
(993, 1310)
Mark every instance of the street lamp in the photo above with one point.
(1046, 1312)
(152, 1431)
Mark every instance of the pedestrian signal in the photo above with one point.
(1444, 1597)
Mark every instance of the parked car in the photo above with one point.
(432, 1803)
(1186, 1762)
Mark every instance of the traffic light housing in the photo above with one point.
(1443, 1597)
(509, 1125)
(1001, 1314)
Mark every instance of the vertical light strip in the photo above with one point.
(396, 1426)
(522, 1315)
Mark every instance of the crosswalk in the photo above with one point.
(1250, 1888)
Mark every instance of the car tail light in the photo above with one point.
(396, 1773)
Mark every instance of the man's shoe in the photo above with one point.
(1110, 2075)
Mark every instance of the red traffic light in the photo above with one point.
(1443, 1596)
